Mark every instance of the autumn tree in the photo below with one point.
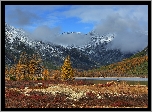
(35, 67)
(7, 77)
(67, 70)
(46, 74)
(21, 68)
(27, 68)
(56, 74)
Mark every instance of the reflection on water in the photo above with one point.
(130, 81)
(114, 78)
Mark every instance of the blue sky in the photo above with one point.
(52, 16)
(80, 18)
(123, 20)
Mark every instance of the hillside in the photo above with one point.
(141, 53)
(135, 66)
(91, 55)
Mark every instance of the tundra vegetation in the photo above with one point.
(29, 84)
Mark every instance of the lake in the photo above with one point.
(129, 80)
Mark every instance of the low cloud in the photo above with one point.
(45, 33)
(129, 36)
(127, 22)
(54, 35)
(73, 39)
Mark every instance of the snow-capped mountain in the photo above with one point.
(96, 40)
(16, 41)
(92, 54)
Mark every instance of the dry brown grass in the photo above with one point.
(117, 95)
(116, 88)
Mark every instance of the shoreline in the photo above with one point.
(111, 77)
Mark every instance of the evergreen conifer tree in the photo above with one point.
(67, 70)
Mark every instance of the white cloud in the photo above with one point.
(123, 20)
(86, 27)
(98, 13)
(32, 15)
(45, 33)
(129, 35)
(72, 39)
(48, 34)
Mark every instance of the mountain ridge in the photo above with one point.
(89, 56)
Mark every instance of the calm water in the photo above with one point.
(130, 80)
(114, 78)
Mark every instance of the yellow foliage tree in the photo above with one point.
(7, 73)
(12, 71)
(56, 74)
(67, 70)
(46, 74)
(21, 68)
(35, 67)
(28, 68)
(21, 71)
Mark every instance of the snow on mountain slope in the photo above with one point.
(50, 52)
(92, 54)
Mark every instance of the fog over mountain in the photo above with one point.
(128, 23)
(84, 56)
(129, 35)
(47, 34)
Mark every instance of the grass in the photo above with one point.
(74, 94)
